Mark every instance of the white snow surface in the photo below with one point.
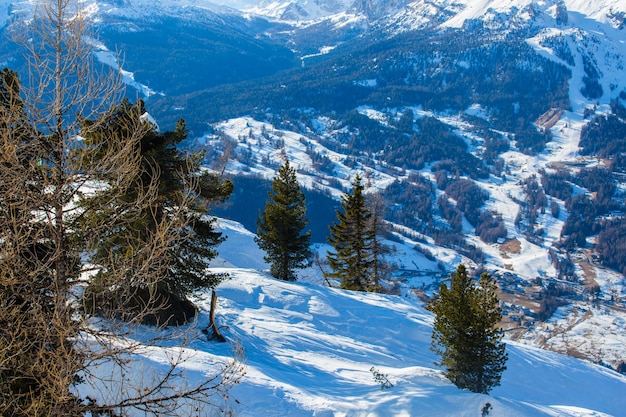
(309, 350)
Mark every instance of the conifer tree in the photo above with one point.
(465, 335)
(181, 190)
(352, 239)
(281, 226)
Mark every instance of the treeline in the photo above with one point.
(529, 140)
(491, 227)
(469, 198)
(453, 240)
(600, 212)
(589, 214)
(430, 141)
(557, 184)
(584, 209)
(533, 205)
(410, 203)
(580, 223)
(433, 141)
(561, 48)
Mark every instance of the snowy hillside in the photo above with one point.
(309, 350)
(498, 11)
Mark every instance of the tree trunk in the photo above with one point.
(212, 330)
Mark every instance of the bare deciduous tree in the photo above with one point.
(53, 348)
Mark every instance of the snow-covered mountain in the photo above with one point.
(448, 13)
(419, 13)
(291, 10)
(415, 95)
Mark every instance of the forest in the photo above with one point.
(438, 71)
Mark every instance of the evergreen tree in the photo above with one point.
(281, 226)
(352, 239)
(465, 335)
(182, 179)
(181, 191)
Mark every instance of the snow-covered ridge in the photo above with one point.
(599, 11)
(127, 8)
(298, 10)
(405, 13)
(308, 350)
(449, 13)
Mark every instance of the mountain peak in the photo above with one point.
(420, 13)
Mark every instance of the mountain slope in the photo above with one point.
(510, 12)
(309, 350)
(171, 47)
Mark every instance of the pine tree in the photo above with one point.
(352, 239)
(281, 226)
(180, 191)
(181, 179)
(465, 335)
